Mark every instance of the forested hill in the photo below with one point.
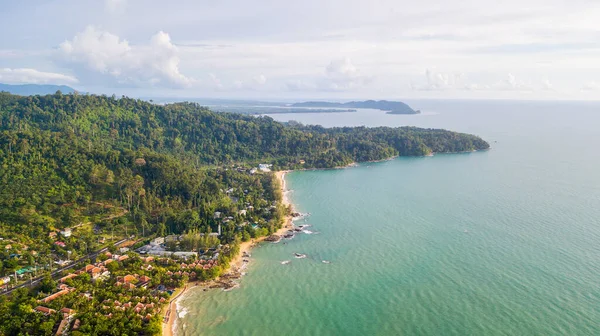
(207, 138)
(35, 89)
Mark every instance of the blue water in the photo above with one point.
(501, 242)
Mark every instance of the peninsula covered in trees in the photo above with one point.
(392, 107)
(80, 174)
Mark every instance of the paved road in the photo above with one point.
(56, 272)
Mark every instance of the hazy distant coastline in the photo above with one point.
(391, 107)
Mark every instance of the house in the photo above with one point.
(66, 233)
(67, 312)
(55, 295)
(265, 167)
(145, 278)
(96, 272)
(88, 268)
(62, 263)
(67, 277)
(217, 215)
(171, 238)
(4, 280)
(44, 310)
(61, 244)
(52, 235)
(62, 327)
(123, 257)
(129, 278)
(147, 259)
(76, 325)
(185, 255)
(242, 212)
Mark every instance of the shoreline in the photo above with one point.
(171, 312)
(236, 263)
(245, 247)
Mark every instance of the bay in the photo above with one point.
(501, 242)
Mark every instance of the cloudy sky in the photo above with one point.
(343, 49)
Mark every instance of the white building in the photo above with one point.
(265, 167)
(66, 233)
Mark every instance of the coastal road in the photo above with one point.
(56, 272)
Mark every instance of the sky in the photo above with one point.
(318, 49)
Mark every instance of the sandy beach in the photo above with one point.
(171, 312)
(236, 263)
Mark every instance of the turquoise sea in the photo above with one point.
(501, 242)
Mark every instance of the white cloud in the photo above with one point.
(341, 75)
(511, 83)
(115, 5)
(437, 81)
(32, 76)
(216, 81)
(154, 64)
(299, 85)
(547, 85)
(378, 51)
(260, 79)
(591, 87)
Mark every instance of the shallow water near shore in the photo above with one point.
(500, 242)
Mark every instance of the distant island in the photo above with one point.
(265, 110)
(392, 107)
(35, 89)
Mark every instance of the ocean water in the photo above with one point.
(501, 242)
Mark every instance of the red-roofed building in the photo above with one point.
(44, 310)
(129, 278)
(55, 295)
(67, 277)
(67, 311)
